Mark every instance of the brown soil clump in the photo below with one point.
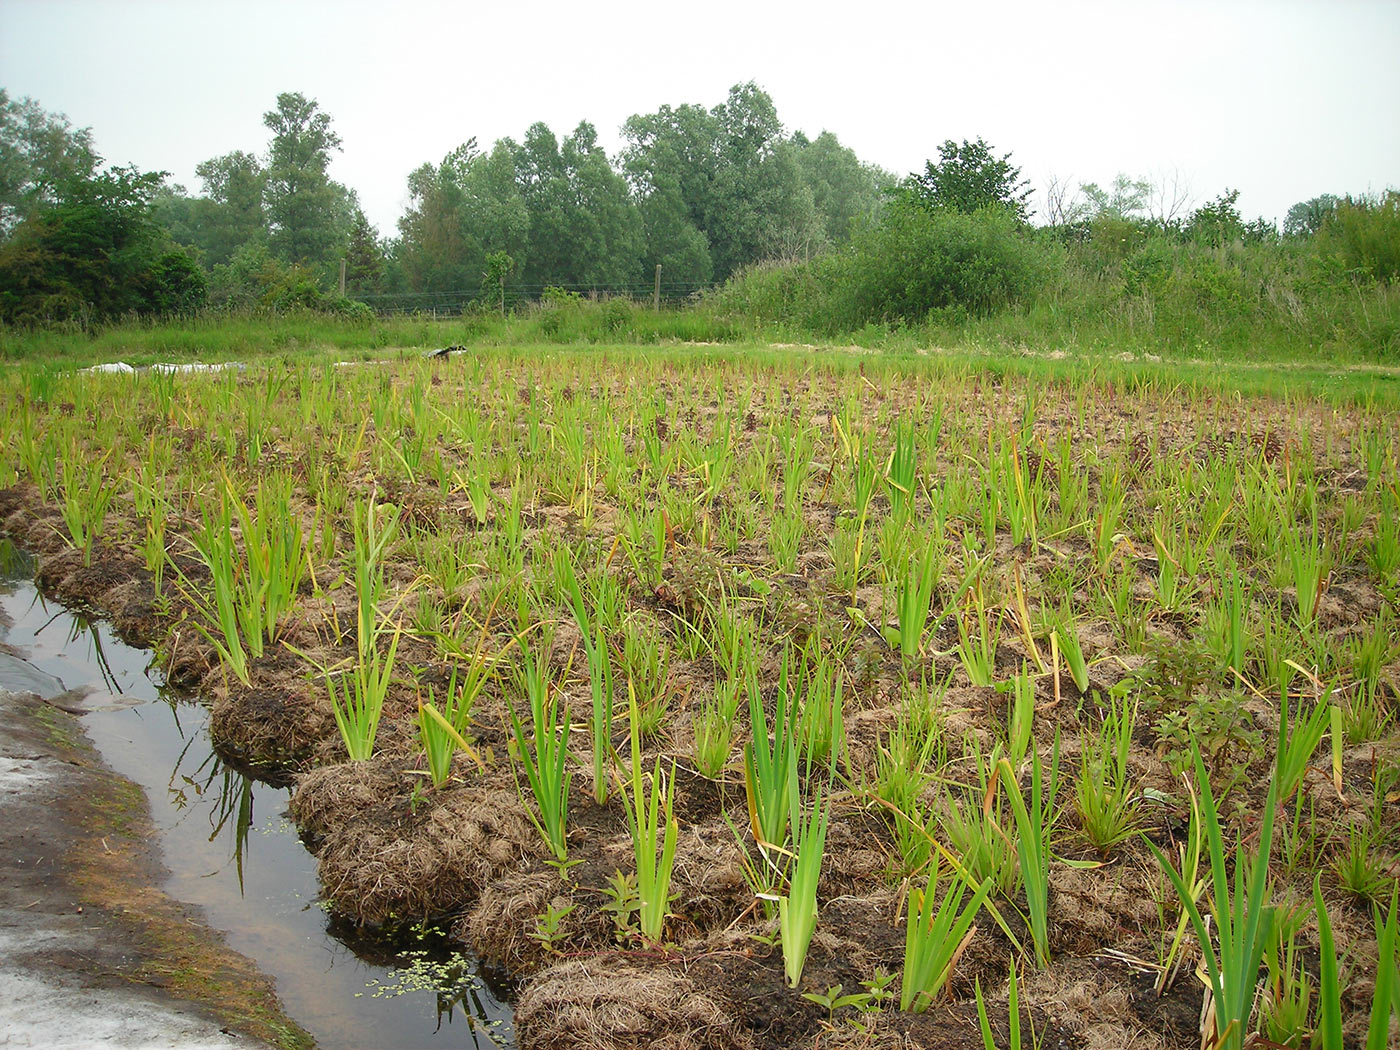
(401, 857)
(612, 1004)
(271, 726)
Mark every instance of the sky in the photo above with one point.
(1281, 100)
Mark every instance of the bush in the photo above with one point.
(917, 266)
(1362, 236)
(918, 262)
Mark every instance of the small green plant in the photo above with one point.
(622, 905)
(836, 998)
(1309, 565)
(934, 938)
(714, 737)
(647, 663)
(254, 587)
(599, 674)
(821, 728)
(974, 819)
(1104, 796)
(545, 756)
(1237, 633)
(654, 829)
(86, 497)
(1220, 725)
(439, 740)
(915, 596)
(797, 911)
(902, 472)
(1385, 999)
(770, 767)
(1020, 715)
(1296, 747)
(358, 698)
(977, 638)
(1241, 911)
(1066, 638)
(548, 925)
(1033, 828)
(1285, 1007)
(1188, 867)
(1013, 1017)
(1360, 868)
(903, 769)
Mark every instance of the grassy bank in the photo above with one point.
(629, 332)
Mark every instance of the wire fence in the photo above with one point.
(459, 300)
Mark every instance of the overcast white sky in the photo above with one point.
(1282, 100)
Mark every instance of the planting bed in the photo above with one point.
(942, 589)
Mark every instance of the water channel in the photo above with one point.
(231, 850)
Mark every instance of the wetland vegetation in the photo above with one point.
(767, 697)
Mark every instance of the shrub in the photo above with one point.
(918, 261)
(1362, 236)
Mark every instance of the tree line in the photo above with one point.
(954, 254)
(702, 192)
(706, 194)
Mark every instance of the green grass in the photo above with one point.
(1338, 375)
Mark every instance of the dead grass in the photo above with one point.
(386, 856)
(612, 1004)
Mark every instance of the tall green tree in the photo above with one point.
(494, 208)
(437, 252)
(95, 253)
(1124, 198)
(460, 211)
(307, 213)
(671, 239)
(39, 153)
(607, 227)
(1306, 217)
(760, 207)
(727, 173)
(364, 257)
(670, 161)
(232, 212)
(847, 194)
(540, 176)
(228, 215)
(585, 232)
(968, 177)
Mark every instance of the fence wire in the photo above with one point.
(458, 300)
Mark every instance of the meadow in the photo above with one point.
(756, 696)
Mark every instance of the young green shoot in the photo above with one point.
(934, 938)
(1241, 912)
(797, 911)
(770, 767)
(1033, 827)
(544, 752)
(654, 829)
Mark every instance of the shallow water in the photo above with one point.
(232, 851)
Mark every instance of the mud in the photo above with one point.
(91, 954)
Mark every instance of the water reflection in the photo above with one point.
(461, 986)
(229, 801)
(231, 850)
